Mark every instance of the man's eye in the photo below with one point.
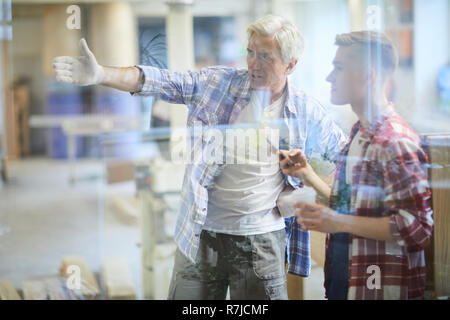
(264, 56)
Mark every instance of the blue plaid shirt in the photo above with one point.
(215, 96)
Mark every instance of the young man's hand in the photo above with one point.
(83, 70)
(317, 217)
(295, 164)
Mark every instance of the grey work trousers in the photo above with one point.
(252, 266)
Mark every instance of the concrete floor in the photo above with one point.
(43, 218)
(313, 285)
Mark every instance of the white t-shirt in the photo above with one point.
(242, 199)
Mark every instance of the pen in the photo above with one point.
(282, 156)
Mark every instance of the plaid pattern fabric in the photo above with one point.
(215, 96)
(388, 180)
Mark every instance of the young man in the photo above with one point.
(380, 218)
(229, 232)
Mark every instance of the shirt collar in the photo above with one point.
(290, 98)
(244, 93)
(368, 132)
(242, 90)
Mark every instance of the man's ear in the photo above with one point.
(291, 66)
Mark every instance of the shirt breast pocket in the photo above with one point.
(205, 116)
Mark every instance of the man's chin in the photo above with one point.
(338, 102)
(257, 86)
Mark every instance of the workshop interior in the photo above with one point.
(87, 178)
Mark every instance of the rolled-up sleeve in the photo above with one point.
(408, 196)
(324, 135)
(173, 87)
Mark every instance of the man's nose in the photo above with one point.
(329, 78)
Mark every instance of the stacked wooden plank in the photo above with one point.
(80, 280)
(7, 291)
(21, 100)
(48, 288)
(55, 288)
(76, 282)
(117, 279)
(34, 290)
(127, 206)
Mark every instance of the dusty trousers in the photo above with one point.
(253, 267)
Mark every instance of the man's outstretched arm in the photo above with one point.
(123, 78)
(84, 70)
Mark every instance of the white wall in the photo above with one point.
(319, 22)
(431, 52)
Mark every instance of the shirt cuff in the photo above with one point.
(394, 228)
(141, 76)
(293, 182)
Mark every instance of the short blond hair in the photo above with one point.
(376, 48)
(284, 31)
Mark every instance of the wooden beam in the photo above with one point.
(8, 144)
(128, 207)
(117, 279)
(317, 240)
(55, 289)
(439, 151)
(89, 288)
(294, 286)
(34, 290)
(7, 291)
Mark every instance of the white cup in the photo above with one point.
(288, 198)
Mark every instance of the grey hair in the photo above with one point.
(285, 32)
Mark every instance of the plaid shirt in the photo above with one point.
(388, 180)
(215, 96)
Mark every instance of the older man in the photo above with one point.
(229, 232)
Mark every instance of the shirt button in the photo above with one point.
(204, 209)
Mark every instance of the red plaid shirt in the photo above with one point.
(388, 180)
